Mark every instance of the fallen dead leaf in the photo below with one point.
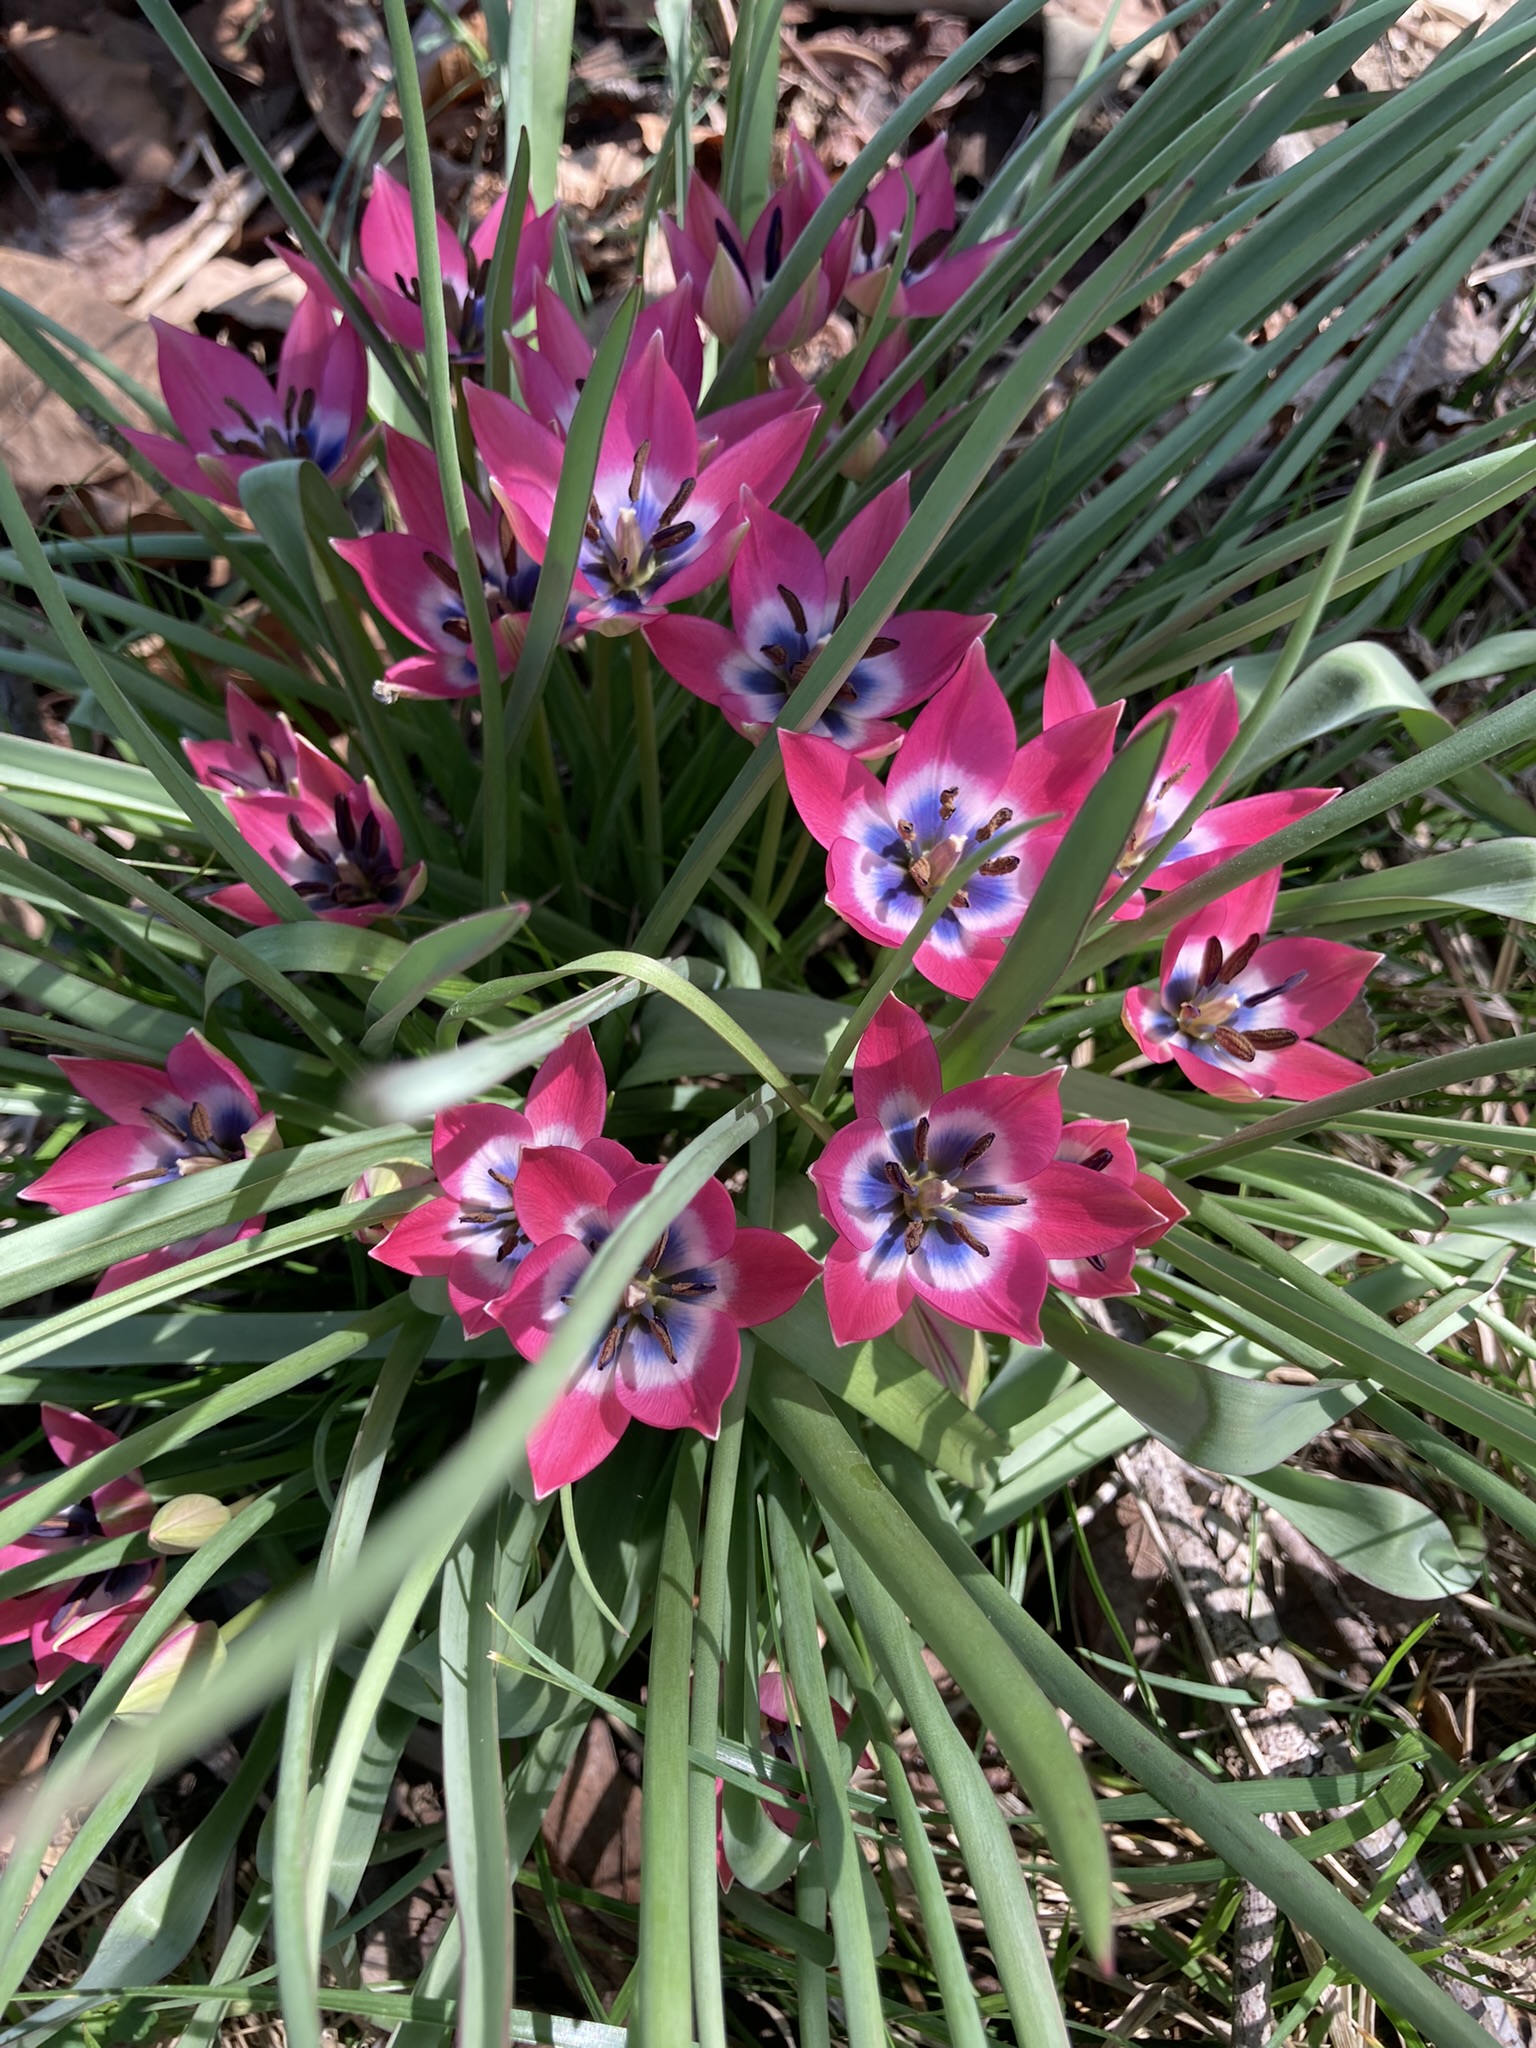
(110, 92)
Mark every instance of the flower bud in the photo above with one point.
(186, 1523)
(187, 1656)
(387, 1178)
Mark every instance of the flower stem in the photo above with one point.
(768, 845)
(542, 747)
(650, 764)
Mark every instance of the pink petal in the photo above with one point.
(690, 1393)
(1230, 827)
(1085, 1136)
(523, 461)
(147, 1264)
(1205, 722)
(950, 279)
(851, 1187)
(568, 1096)
(1073, 1212)
(203, 382)
(833, 792)
(440, 678)
(965, 735)
(896, 1075)
(386, 238)
(651, 411)
(121, 1089)
(675, 317)
(702, 1232)
(963, 974)
(577, 1434)
(418, 489)
(869, 537)
(774, 556)
(930, 648)
(177, 464)
(74, 1437)
(95, 1168)
(691, 259)
(1334, 976)
(1170, 1209)
(859, 890)
(471, 1139)
(865, 1293)
(1145, 1018)
(534, 1304)
(1231, 920)
(765, 459)
(559, 1190)
(1305, 1073)
(200, 1073)
(762, 1276)
(398, 316)
(420, 1242)
(1055, 771)
(1001, 1293)
(1023, 1114)
(1067, 694)
(693, 652)
(535, 253)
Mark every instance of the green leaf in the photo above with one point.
(1040, 951)
(1026, 1727)
(888, 1385)
(1496, 876)
(796, 1031)
(1380, 1535)
(58, 993)
(430, 961)
(313, 948)
(1288, 1169)
(1216, 1419)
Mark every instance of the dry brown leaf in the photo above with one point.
(46, 447)
(119, 104)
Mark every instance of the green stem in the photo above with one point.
(649, 764)
(466, 562)
(768, 844)
(542, 747)
(664, 2006)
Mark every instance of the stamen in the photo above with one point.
(1272, 1041)
(200, 1123)
(795, 608)
(1234, 1042)
(729, 244)
(502, 1180)
(1003, 865)
(869, 234)
(1210, 964)
(608, 1350)
(915, 1232)
(906, 831)
(984, 1198)
(896, 1175)
(982, 1144)
(920, 1140)
(968, 1237)
(1097, 1161)
(346, 831)
(947, 800)
(685, 492)
(773, 247)
(663, 1336)
(306, 844)
(774, 653)
(163, 1123)
(443, 570)
(881, 644)
(1236, 962)
(673, 536)
(844, 600)
(928, 251)
(995, 823)
(637, 474)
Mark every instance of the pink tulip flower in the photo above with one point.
(933, 280)
(663, 524)
(83, 1620)
(410, 577)
(147, 1264)
(958, 779)
(1236, 1014)
(231, 419)
(469, 1235)
(262, 753)
(335, 842)
(390, 285)
(196, 1112)
(672, 1352)
(731, 271)
(954, 1198)
(1205, 723)
(1106, 1148)
(776, 1738)
(786, 602)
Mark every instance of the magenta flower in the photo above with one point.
(469, 1235)
(84, 1620)
(886, 354)
(785, 604)
(664, 523)
(671, 1354)
(933, 280)
(956, 1199)
(335, 842)
(411, 579)
(231, 419)
(199, 1111)
(1235, 1015)
(958, 779)
(777, 1740)
(1205, 723)
(262, 752)
(390, 285)
(731, 271)
(1106, 1148)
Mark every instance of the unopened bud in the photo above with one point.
(387, 1178)
(186, 1523)
(186, 1657)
